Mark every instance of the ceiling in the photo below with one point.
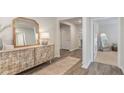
(75, 20)
(106, 20)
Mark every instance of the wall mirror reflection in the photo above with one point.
(1, 44)
(104, 41)
(26, 32)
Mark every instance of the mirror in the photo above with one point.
(1, 44)
(26, 32)
(104, 40)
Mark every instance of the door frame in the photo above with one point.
(61, 36)
(118, 52)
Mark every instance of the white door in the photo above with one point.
(65, 37)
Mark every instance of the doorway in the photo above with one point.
(71, 37)
(65, 38)
(106, 32)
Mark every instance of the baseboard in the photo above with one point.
(86, 65)
(57, 56)
(74, 49)
(121, 68)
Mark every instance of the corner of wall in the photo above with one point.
(86, 64)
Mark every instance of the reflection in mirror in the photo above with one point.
(104, 40)
(26, 32)
(1, 44)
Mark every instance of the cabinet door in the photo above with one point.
(26, 59)
(9, 63)
(16, 61)
(43, 54)
(40, 55)
(66, 39)
(13, 63)
(4, 63)
(50, 52)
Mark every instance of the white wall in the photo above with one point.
(79, 34)
(111, 30)
(110, 26)
(7, 34)
(74, 38)
(121, 45)
(47, 24)
(87, 42)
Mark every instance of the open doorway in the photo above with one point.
(106, 32)
(71, 37)
(65, 38)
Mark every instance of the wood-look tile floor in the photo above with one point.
(94, 69)
(64, 53)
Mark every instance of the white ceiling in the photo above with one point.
(75, 20)
(106, 20)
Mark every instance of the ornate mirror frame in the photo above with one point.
(14, 31)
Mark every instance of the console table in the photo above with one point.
(20, 59)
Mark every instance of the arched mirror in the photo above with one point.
(25, 32)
